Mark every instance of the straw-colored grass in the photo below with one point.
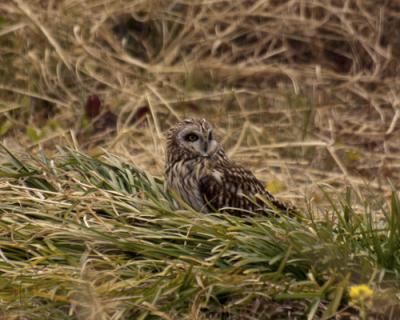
(305, 93)
(309, 89)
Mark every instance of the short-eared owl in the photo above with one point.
(198, 169)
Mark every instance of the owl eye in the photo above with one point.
(191, 137)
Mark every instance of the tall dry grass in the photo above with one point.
(308, 88)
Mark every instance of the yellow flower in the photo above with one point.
(360, 292)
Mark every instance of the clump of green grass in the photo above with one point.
(97, 238)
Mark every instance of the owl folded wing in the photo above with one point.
(233, 187)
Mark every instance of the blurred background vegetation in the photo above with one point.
(304, 92)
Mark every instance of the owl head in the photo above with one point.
(192, 138)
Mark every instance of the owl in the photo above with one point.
(199, 171)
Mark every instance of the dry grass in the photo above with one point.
(306, 93)
(309, 89)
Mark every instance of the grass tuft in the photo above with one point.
(97, 238)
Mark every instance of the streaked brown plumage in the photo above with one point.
(198, 169)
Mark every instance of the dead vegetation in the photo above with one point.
(309, 89)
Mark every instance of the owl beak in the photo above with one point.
(205, 149)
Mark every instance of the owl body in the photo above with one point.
(200, 172)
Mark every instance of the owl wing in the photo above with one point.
(235, 187)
